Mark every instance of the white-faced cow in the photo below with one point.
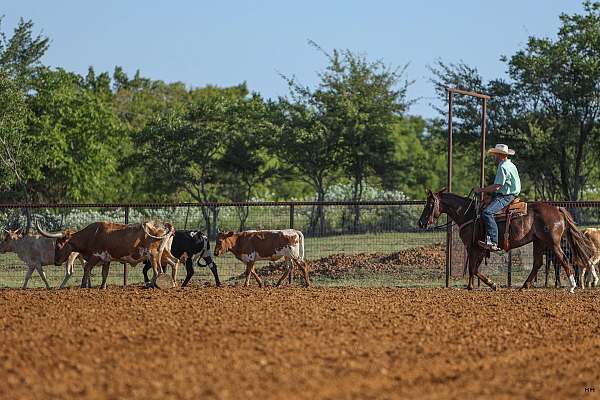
(36, 252)
(594, 235)
(252, 246)
(103, 242)
(188, 246)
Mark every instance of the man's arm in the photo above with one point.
(488, 189)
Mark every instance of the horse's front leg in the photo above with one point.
(475, 257)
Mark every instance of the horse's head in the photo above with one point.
(432, 210)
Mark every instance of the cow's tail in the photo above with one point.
(301, 244)
(582, 247)
(166, 239)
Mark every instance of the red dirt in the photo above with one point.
(325, 343)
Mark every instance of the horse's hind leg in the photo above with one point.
(562, 259)
(538, 260)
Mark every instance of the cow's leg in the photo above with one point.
(286, 272)
(42, 273)
(30, 269)
(249, 266)
(155, 267)
(255, 275)
(594, 281)
(581, 278)
(304, 267)
(69, 266)
(86, 281)
(147, 266)
(215, 272)
(174, 267)
(105, 269)
(189, 271)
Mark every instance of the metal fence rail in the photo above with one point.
(372, 243)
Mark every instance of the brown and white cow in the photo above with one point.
(252, 246)
(103, 242)
(594, 235)
(36, 252)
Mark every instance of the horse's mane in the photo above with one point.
(454, 196)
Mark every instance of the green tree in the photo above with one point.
(309, 147)
(557, 83)
(13, 140)
(363, 99)
(73, 133)
(20, 55)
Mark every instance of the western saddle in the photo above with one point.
(516, 208)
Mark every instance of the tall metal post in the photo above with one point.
(483, 135)
(125, 265)
(449, 187)
(509, 274)
(292, 216)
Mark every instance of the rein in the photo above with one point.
(474, 200)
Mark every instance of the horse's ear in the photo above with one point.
(429, 193)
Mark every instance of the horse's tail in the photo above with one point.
(301, 244)
(582, 247)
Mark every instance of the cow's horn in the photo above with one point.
(46, 234)
(152, 236)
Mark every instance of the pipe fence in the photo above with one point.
(374, 243)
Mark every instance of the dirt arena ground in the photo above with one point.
(322, 343)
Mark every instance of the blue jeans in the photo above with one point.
(498, 203)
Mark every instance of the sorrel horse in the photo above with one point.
(543, 225)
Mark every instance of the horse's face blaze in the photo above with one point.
(431, 211)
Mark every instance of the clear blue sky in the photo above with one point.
(226, 42)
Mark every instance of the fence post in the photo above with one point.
(292, 216)
(509, 276)
(125, 265)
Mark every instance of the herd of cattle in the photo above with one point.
(160, 245)
(157, 245)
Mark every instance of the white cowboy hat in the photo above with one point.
(501, 149)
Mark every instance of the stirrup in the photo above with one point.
(488, 246)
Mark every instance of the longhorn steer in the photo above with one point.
(594, 235)
(103, 242)
(186, 246)
(36, 252)
(252, 246)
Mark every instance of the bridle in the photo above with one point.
(474, 200)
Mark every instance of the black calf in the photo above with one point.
(193, 243)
